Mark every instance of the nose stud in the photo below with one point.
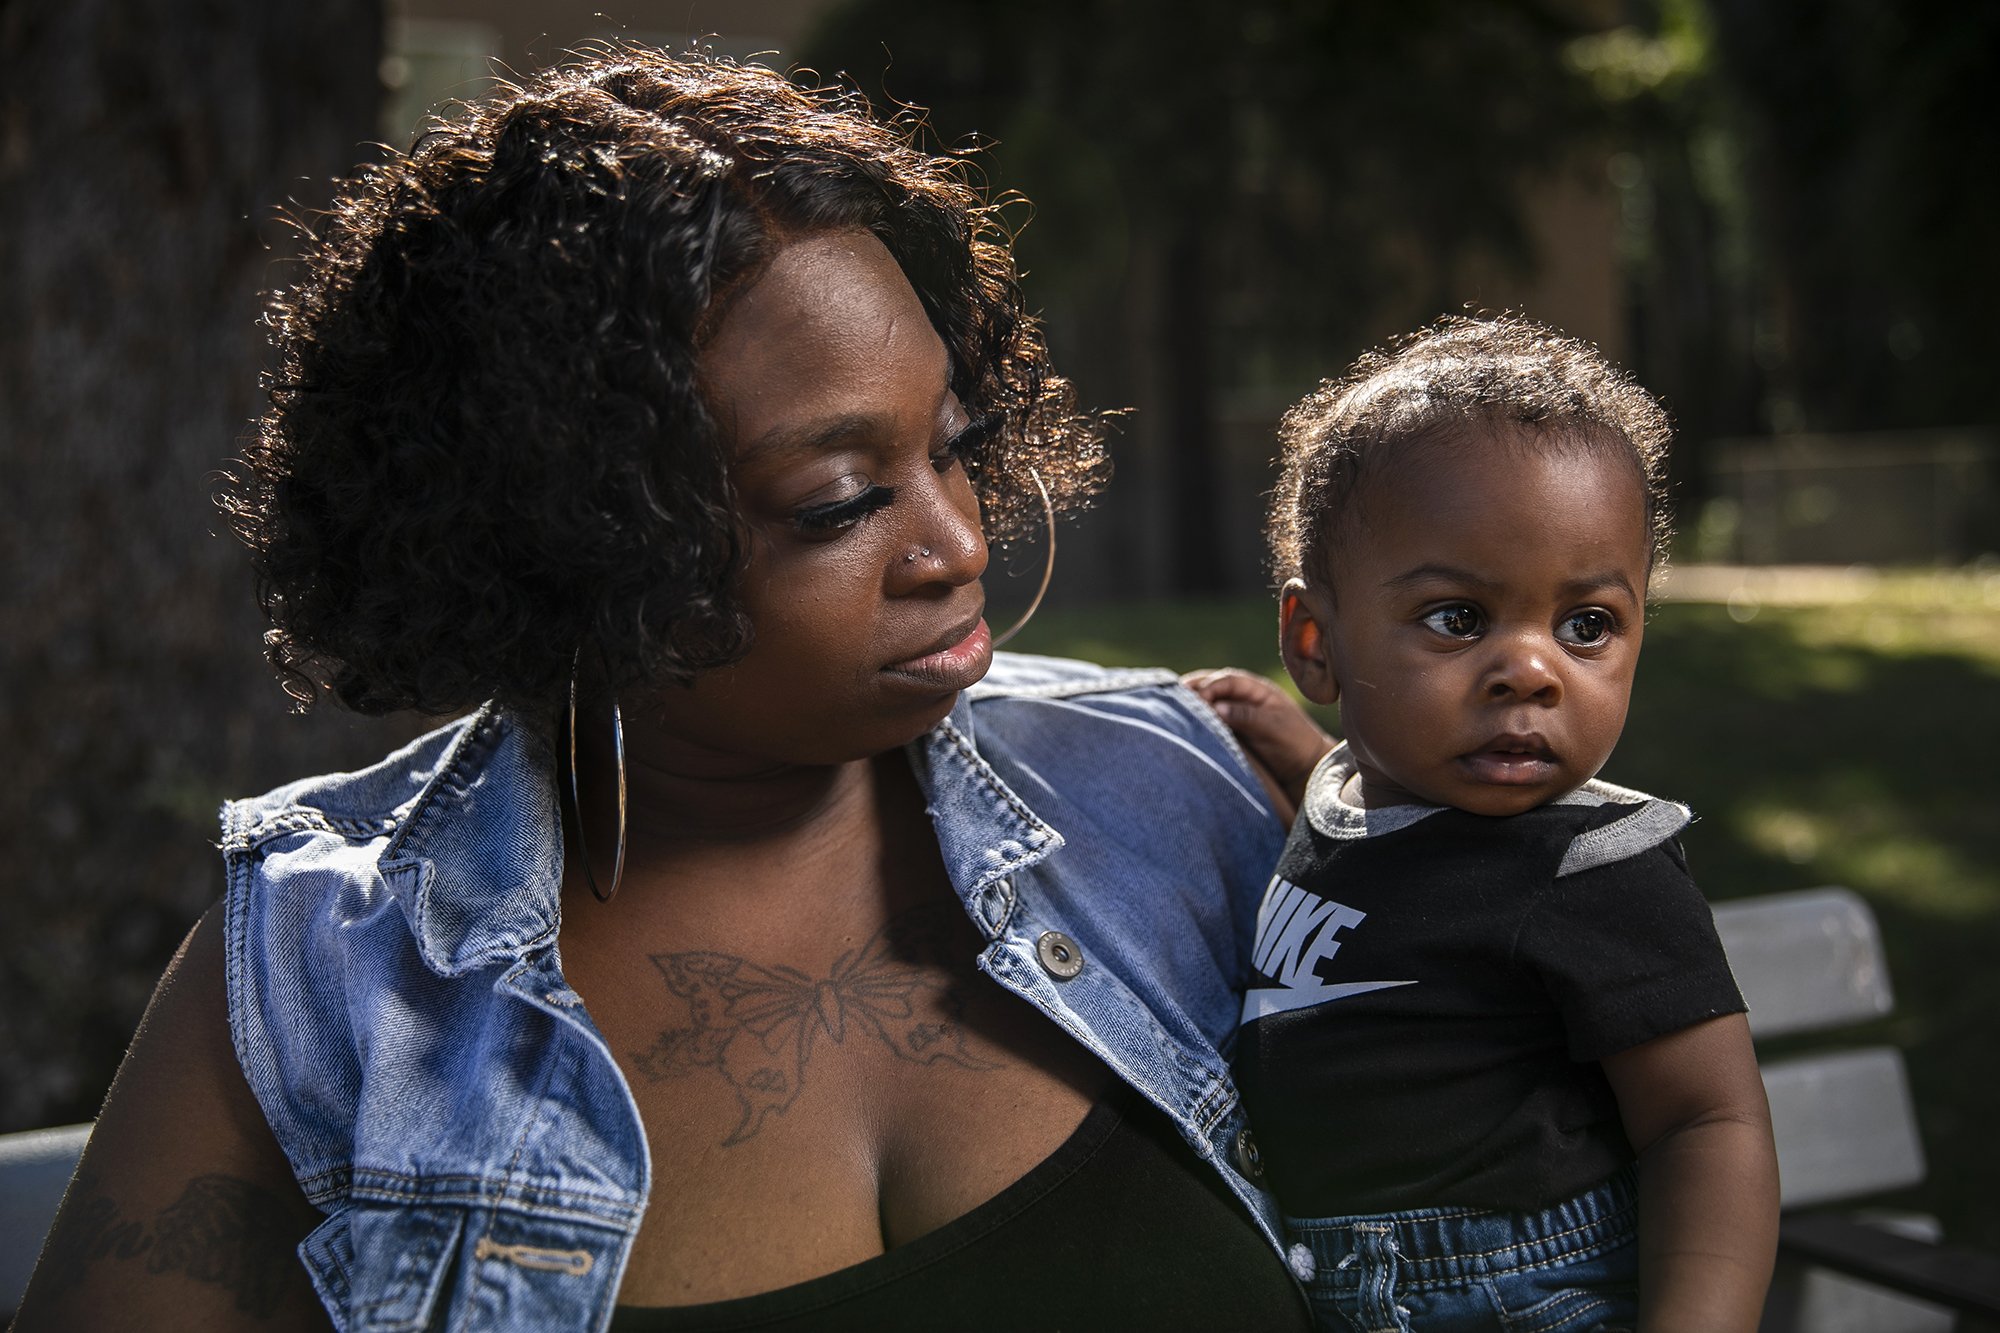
(921, 553)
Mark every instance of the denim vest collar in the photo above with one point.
(480, 884)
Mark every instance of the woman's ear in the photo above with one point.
(1304, 644)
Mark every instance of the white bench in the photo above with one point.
(35, 1167)
(1846, 1128)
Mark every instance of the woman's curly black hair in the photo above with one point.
(486, 447)
(1443, 382)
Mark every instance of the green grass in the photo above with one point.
(1851, 743)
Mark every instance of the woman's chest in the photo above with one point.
(802, 1119)
(812, 1097)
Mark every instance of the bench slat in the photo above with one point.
(1807, 1298)
(1846, 1127)
(1806, 961)
(1951, 1275)
(35, 1167)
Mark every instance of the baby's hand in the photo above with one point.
(1283, 743)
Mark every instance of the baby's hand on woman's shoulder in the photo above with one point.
(1283, 743)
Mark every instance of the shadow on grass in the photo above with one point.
(1816, 762)
(1818, 746)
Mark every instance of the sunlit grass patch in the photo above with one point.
(1865, 851)
(1900, 611)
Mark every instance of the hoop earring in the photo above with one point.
(576, 800)
(1048, 570)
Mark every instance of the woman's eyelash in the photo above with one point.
(962, 447)
(844, 513)
(969, 443)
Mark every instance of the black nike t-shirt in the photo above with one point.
(1434, 989)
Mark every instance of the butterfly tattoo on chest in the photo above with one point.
(757, 1027)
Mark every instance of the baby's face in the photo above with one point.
(1486, 624)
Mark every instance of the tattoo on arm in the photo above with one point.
(757, 1026)
(221, 1230)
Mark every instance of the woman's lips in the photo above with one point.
(955, 667)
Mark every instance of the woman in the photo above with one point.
(669, 409)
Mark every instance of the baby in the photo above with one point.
(1484, 985)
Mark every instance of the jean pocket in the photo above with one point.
(1348, 1317)
(1553, 1306)
(389, 1263)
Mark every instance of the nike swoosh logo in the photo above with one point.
(1267, 1000)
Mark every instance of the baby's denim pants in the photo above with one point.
(1569, 1268)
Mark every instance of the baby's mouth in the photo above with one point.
(1530, 744)
(1511, 760)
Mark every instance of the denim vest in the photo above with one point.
(444, 1098)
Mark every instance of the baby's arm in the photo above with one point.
(1694, 1110)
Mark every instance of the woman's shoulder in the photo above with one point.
(1147, 706)
(457, 828)
(1080, 724)
(1029, 675)
(346, 889)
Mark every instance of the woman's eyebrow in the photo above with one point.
(822, 436)
(814, 437)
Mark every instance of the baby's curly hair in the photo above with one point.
(1454, 380)
(486, 448)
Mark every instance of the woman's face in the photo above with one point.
(865, 550)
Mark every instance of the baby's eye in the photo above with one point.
(1457, 621)
(1586, 629)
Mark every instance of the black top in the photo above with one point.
(1432, 1001)
(1122, 1227)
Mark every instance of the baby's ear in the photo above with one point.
(1304, 644)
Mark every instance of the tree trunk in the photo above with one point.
(144, 149)
(1194, 476)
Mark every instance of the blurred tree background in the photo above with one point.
(144, 149)
(1229, 202)
(1231, 199)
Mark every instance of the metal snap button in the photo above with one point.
(1059, 956)
(1248, 1160)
